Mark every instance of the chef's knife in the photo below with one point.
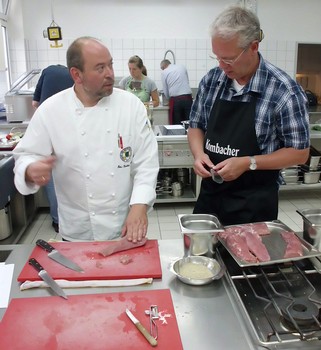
(43, 274)
(58, 257)
(152, 341)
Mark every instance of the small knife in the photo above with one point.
(43, 274)
(152, 341)
(58, 257)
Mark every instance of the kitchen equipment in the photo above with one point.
(153, 315)
(183, 176)
(5, 222)
(278, 305)
(43, 274)
(177, 189)
(152, 341)
(311, 226)
(58, 257)
(199, 234)
(180, 266)
(145, 262)
(18, 103)
(89, 321)
(311, 177)
(275, 245)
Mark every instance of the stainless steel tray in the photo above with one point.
(275, 245)
(199, 223)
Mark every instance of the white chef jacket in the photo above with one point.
(107, 159)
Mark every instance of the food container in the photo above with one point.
(311, 177)
(199, 234)
(312, 226)
(190, 270)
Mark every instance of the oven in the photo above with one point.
(278, 305)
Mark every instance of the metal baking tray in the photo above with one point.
(275, 245)
(199, 223)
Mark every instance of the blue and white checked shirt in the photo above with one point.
(282, 118)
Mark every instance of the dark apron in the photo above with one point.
(253, 197)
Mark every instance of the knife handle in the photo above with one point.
(33, 262)
(44, 245)
(152, 341)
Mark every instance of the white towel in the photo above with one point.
(84, 284)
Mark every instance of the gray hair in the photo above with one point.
(237, 20)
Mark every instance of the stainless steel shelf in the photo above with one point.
(188, 196)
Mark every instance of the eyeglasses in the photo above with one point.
(228, 62)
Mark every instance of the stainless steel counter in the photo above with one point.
(205, 315)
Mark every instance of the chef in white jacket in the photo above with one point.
(98, 143)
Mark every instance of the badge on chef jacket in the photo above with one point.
(126, 154)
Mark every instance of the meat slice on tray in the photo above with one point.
(256, 246)
(238, 246)
(293, 247)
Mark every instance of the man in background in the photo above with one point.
(176, 88)
(53, 79)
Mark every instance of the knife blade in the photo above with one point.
(152, 341)
(43, 274)
(58, 257)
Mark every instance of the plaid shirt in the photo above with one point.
(281, 119)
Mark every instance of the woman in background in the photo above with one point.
(138, 83)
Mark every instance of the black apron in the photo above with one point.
(253, 197)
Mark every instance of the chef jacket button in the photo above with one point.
(108, 130)
(83, 133)
(86, 154)
(93, 213)
(114, 212)
(113, 194)
(90, 195)
(110, 152)
(78, 111)
(112, 174)
(88, 176)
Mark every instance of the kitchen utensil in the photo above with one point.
(275, 245)
(58, 257)
(43, 274)
(199, 223)
(121, 245)
(213, 267)
(177, 189)
(311, 177)
(153, 315)
(152, 341)
(145, 262)
(216, 177)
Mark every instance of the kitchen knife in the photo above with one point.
(152, 341)
(58, 257)
(43, 274)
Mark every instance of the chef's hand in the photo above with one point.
(231, 168)
(202, 165)
(135, 227)
(39, 172)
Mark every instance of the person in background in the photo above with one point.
(177, 89)
(138, 83)
(248, 121)
(93, 139)
(53, 79)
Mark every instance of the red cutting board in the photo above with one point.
(88, 322)
(145, 262)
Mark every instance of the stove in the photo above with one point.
(279, 305)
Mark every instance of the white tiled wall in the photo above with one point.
(193, 53)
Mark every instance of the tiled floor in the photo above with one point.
(163, 222)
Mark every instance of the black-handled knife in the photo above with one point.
(58, 257)
(43, 274)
